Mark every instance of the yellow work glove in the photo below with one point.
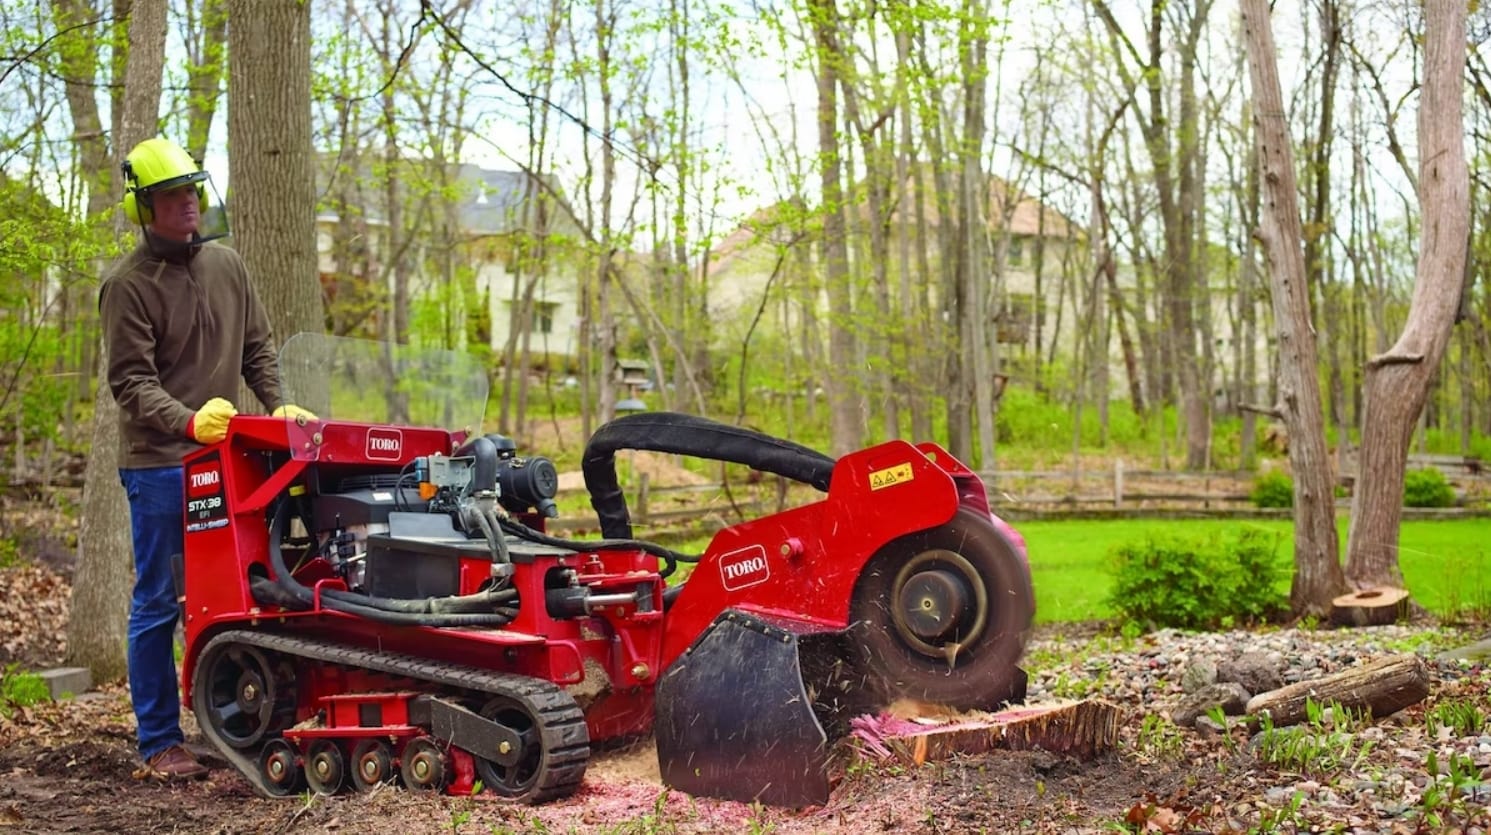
(292, 411)
(210, 424)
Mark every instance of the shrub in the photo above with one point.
(1273, 489)
(1198, 583)
(1427, 488)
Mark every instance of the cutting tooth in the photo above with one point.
(951, 650)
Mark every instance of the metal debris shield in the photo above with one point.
(735, 721)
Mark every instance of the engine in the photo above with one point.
(403, 534)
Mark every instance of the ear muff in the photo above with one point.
(132, 208)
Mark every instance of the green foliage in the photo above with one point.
(46, 255)
(1159, 739)
(1480, 446)
(1318, 748)
(10, 553)
(1427, 488)
(1032, 421)
(1287, 819)
(19, 689)
(1166, 581)
(1273, 489)
(1459, 718)
(1452, 793)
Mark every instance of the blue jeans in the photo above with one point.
(155, 514)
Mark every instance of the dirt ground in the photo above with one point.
(71, 767)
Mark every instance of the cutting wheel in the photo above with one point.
(942, 615)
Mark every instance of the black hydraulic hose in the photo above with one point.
(496, 542)
(269, 592)
(669, 557)
(677, 433)
(448, 611)
(494, 522)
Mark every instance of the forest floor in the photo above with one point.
(71, 766)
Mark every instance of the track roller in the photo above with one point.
(423, 765)
(524, 738)
(372, 764)
(325, 768)
(280, 769)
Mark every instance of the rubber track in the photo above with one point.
(562, 729)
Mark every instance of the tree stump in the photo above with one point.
(1370, 607)
(1384, 687)
(1078, 729)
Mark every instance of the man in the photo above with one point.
(182, 324)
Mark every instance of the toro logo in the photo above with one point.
(203, 481)
(744, 568)
(385, 444)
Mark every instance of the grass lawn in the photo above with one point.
(1445, 563)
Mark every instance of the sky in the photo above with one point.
(734, 147)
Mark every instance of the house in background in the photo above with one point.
(461, 245)
(777, 246)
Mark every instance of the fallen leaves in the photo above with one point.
(1168, 817)
(34, 600)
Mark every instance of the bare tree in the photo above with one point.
(846, 423)
(1398, 381)
(1317, 565)
(1174, 151)
(206, 35)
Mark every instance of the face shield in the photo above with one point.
(171, 196)
(186, 209)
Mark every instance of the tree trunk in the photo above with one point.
(96, 632)
(1397, 382)
(1188, 277)
(608, 364)
(845, 400)
(1370, 607)
(977, 338)
(880, 167)
(271, 168)
(1248, 315)
(905, 211)
(1317, 567)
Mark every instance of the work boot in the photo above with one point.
(174, 763)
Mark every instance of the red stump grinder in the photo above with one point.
(371, 600)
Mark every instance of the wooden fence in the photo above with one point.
(1113, 491)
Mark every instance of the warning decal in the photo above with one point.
(891, 476)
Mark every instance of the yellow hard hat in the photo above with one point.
(157, 165)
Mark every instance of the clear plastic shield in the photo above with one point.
(366, 381)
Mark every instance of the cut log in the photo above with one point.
(1370, 607)
(1383, 687)
(1078, 729)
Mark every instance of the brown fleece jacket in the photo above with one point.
(179, 331)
